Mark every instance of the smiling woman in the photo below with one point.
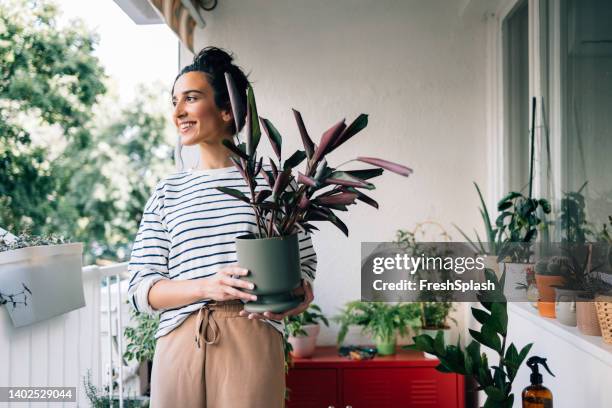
(183, 263)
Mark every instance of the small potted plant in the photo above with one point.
(550, 273)
(291, 202)
(303, 330)
(382, 321)
(48, 266)
(434, 318)
(141, 346)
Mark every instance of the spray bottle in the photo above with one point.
(536, 395)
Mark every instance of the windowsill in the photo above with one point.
(592, 345)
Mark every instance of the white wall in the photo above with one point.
(416, 67)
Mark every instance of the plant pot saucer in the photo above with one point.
(274, 304)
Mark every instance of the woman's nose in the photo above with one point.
(179, 110)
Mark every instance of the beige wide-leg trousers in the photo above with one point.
(218, 359)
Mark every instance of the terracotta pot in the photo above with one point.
(545, 286)
(586, 317)
(304, 346)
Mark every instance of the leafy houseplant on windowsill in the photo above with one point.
(288, 206)
(303, 330)
(381, 320)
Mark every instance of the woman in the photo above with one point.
(209, 351)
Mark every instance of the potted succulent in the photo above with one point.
(48, 266)
(495, 380)
(290, 203)
(141, 346)
(382, 321)
(303, 330)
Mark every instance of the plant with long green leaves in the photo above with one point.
(290, 204)
(380, 320)
(496, 381)
(493, 243)
(313, 315)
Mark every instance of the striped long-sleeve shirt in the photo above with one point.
(187, 232)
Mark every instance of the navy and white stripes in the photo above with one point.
(187, 232)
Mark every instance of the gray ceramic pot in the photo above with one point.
(274, 265)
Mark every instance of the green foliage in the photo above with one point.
(495, 380)
(574, 225)
(64, 169)
(518, 223)
(312, 315)
(434, 315)
(141, 338)
(25, 240)
(97, 400)
(381, 320)
(493, 243)
(292, 204)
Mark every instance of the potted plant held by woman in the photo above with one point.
(289, 204)
(303, 330)
(382, 321)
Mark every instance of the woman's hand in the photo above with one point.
(223, 286)
(305, 290)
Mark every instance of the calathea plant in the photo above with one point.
(290, 202)
(321, 190)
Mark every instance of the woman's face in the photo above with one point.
(196, 115)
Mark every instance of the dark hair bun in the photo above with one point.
(213, 58)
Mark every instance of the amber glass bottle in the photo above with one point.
(536, 395)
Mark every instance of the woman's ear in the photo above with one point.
(227, 116)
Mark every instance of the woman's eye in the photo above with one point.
(191, 98)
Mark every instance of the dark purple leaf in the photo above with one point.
(365, 174)
(355, 127)
(274, 168)
(295, 159)
(234, 193)
(341, 198)
(261, 195)
(273, 135)
(385, 164)
(269, 178)
(328, 139)
(281, 182)
(237, 108)
(304, 202)
(306, 140)
(239, 167)
(302, 179)
(253, 122)
(258, 167)
(235, 149)
(338, 223)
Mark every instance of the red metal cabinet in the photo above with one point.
(406, 379)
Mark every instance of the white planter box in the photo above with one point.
(53, 274)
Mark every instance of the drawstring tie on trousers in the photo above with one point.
(202, 322)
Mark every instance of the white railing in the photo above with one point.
(60, 351)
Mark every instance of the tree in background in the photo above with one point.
(64, 168)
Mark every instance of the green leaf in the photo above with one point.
(480, 315)
(273, 135)
(295, 159)
(255, 130)
(499, 316)
(234, 193)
